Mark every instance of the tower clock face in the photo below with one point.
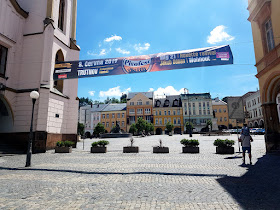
(235, 105)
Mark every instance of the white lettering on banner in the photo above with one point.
(62, 70)
(94, 63)
(87, 72)
(199, 59)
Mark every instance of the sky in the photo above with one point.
(111, 29)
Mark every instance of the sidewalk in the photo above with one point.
(81, 180)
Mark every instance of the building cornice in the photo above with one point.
(17, 7)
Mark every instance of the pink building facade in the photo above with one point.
(33, 36)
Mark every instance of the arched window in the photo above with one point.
(61, 14)
(58, 84)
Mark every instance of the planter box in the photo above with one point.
(130, 149)
(160, 149)
(98, 149)
(63, 149)
(190, 149)
(225, 150)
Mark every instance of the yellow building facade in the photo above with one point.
(168, 110)
(264, 18)
(112, 114)
(221, 114)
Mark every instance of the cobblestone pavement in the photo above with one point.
(81, 180)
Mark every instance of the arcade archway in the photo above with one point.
(6, 116)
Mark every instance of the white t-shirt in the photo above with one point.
(246, 140)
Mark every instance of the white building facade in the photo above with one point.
(254, 110)
(197, 108)
(33, 36)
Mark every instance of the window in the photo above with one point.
(175, 102)
(155, 112)
(148, 118)
(215, 110)
(139, 102)
(122, 123)
(159, 112)
(178, 112)
(131, 111)
(113, 123)
(132, 119)
(203, 104)
(97, 118)
(147, 111)
(3, 60)
(208, 111)
(107, 124)
(107, 116)
(225, 110)
(174, 121)
(174, 112)
(207, 104)
(204, 112)
(103, 116)
(199, 104)
(185, 104)
(160, 121)
(118, 115)
(164, 112)
(193, 104)
(103, 123)
(269, 35)
(113, 115)
(156, 121)
(179, 121)
(61, 14)
(131, 103)
(221, 119)
(165, 121)
(58, 84)
(194, 113)
(225, 119)
(139, 111)
(169, 112)
(220, 111)
(200, 112)
(147, 102)
(122, 115)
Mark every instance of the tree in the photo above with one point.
(123, 98)
(115, 101)
(133, 129)
(189, 126)
(141, 124)
(169, 127)
(99, 128)
(107, 101)
(85, 101)
(149, 127)
(80, 129)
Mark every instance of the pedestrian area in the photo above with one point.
(116, 180)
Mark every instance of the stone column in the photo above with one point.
(272, 129)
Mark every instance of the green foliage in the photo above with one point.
(99, 128)
(149, 127)
(141, 124)
(64, 143)
(190, 143)
(101, 143)
(223, 143)
(169, 126)
(189, 126)
(85, 101)
(133, 129)
(123, 98)
(80, 129)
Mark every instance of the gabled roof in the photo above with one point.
(147, 94)
(115, 107)
(215, 102)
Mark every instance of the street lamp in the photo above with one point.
(190, 132)
(34, 95)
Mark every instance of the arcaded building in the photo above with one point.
(33, 36)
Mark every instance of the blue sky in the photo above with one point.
(110, 28)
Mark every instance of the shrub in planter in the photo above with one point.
(224, 146)
(99, 146)
(160, 148)
(131, 148)
(64, 147)
(191, 146)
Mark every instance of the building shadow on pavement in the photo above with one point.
(259, 188)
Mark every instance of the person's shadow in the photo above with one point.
(259, 188)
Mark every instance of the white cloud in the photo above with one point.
(151, 90)
(122, 51)
(91, 92)
(218, 34)
(113, 38)
(169, 90)
(101, 53)
(114, 92)
(139, 48)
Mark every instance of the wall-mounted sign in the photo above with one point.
(210, 56)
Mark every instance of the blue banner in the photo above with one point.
(210, 56)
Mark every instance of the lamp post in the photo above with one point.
(33, 95)
(190, 128)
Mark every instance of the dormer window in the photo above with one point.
(139, 102)
(175, 102)
(158, 104)
(61, 14)
(166, 103)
